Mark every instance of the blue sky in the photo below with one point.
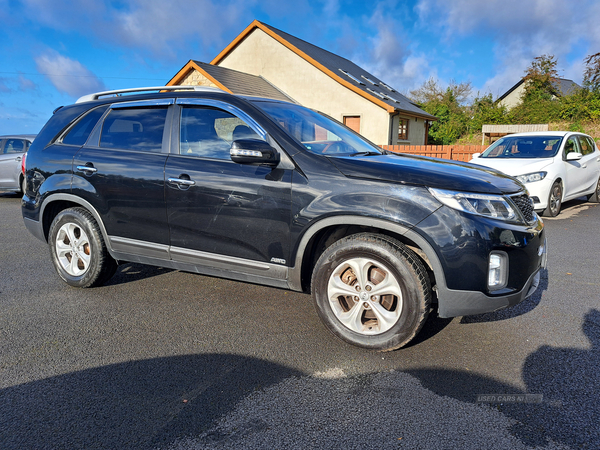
(54, 51)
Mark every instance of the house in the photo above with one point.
(512, 97)
(278, 64)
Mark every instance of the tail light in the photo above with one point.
(23, 164)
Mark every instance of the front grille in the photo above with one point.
(525, 205)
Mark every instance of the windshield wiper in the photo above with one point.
(371, 153)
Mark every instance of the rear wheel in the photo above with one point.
(554, 200)
(371, 291)
(78, 250)
(595, 197)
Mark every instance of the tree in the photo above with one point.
(485, 111)
(591, 75)
(539, 103)
(446, 105)
(539, 78)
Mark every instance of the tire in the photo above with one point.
(554, 200)
(22, 184)
(595, 197)
(78, 250)
(351, 305)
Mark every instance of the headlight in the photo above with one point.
(531, 177)
(482, 204)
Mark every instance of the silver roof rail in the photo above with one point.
(97, 95)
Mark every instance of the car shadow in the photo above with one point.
(128, 272)
(10, 194)
(567, 378)
(527, 305)
(133, 405)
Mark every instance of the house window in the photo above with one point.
(403, 130)
(352, 122)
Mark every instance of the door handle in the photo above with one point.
(19, 158)
(181, 182)
(88, 170)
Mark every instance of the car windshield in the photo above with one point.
(524, 147)
(319, 134)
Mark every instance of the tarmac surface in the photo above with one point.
(162, 359)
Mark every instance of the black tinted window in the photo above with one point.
(134, 129)
(80, 132)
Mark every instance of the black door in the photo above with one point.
(122, 176)
(220, 207)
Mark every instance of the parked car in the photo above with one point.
(12, 150)
(204, 181)
(555, 166)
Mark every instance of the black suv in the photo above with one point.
(270, 192)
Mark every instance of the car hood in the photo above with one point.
(513, 166)
(430, 172)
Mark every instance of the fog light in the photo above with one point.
(497, 271)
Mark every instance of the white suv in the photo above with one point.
(555, 166)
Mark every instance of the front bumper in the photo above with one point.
(463, 303)
(540, 190)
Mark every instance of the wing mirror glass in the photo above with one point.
(253, 151)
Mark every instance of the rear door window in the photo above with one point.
(586, 145)
(138, 129)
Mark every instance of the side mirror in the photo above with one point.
(253, 151)
(574, 156)
(475, 155)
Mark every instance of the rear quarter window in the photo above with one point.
(79, 133)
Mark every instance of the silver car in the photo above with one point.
(12, 152)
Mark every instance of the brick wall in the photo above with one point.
(455, 152)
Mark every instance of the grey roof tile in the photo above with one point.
(241, 83)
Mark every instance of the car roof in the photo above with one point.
(545, 133)
(29, 137)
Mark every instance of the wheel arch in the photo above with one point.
(56, 203)
(323, 233)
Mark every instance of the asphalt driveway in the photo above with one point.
(164, 359)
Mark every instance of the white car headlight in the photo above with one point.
(531, 177)
(488, 205)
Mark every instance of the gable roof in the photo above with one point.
(340, 69)
(232, 81)
(561, 86)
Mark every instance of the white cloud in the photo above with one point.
(520, 31)
(389, 53)
(150, 26)
(67, 75)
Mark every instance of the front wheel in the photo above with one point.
(554, 200)
(371, 291)
(78, 250)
